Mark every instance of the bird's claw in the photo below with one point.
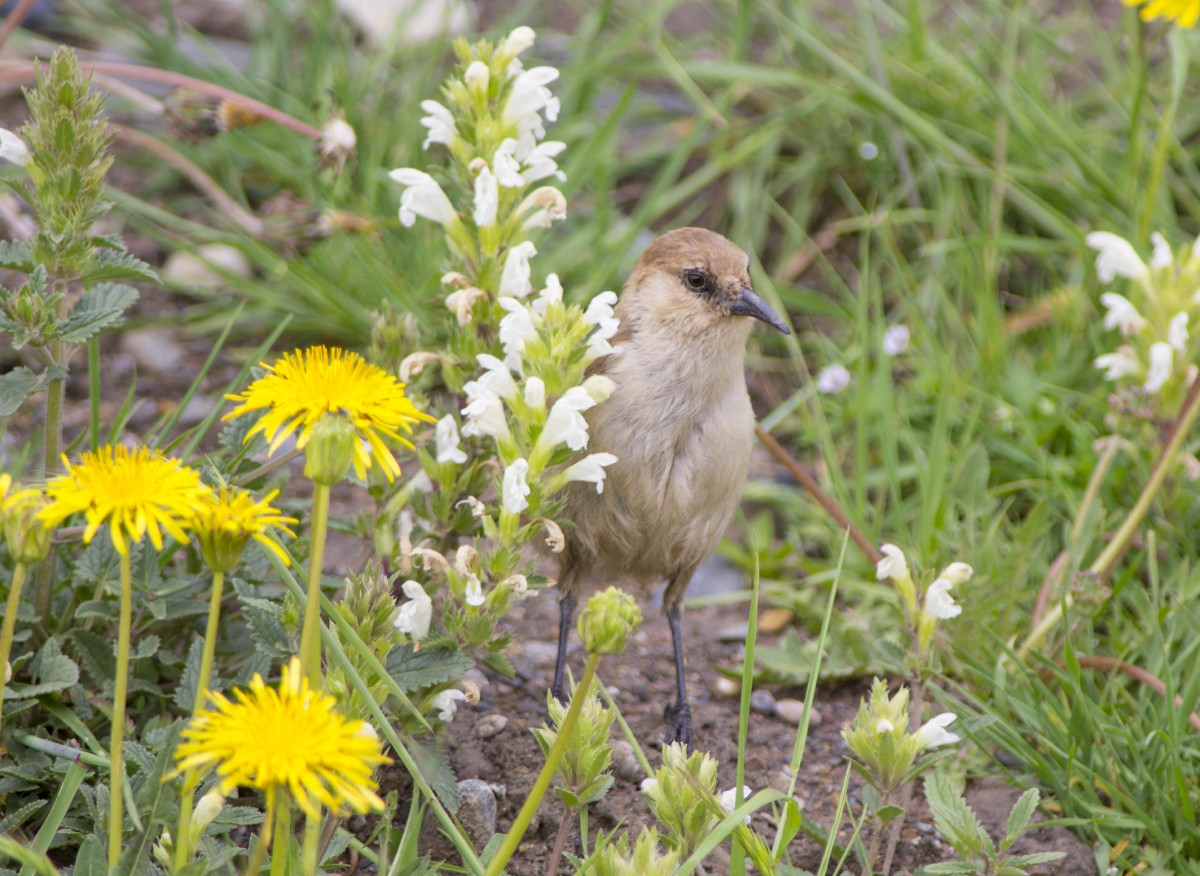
(680, 717)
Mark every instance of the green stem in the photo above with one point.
(312, 839)
(254, 865)
(283, 832)
(9, 625)
(116, 811)
(93, 359)
(210, 642)
(1120, 541)
(310, 642)
(183, 830)
(43, 593)
(538, 791)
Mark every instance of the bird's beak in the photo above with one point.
(749, 304)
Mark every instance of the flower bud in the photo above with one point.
(207, 809)
(28, 538)
(330, 449)
(607, 621)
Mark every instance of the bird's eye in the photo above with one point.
(695, 280)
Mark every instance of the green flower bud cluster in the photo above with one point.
(682, 797)
(607, 621)
(369, 608)
(583, 772)
(614, 858)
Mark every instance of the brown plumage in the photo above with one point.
(680, 424)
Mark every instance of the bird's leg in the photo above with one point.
(566, 611)
(678, 714)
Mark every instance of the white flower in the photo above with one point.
(590, 469)
(565, 424)
(440, 123)
(893, 565)
(539, 162)
(1121, 314)
(535, 393)
(422, 197)
(832, 379)
(1116, 258)
(13, 148)
(516, 327)
(487, 198)
(455, 280)
(599, 387)
(1122, 363)
(957, 573)
(474, 594)
(933, 732)
(505, 165)
(600, 314)
(485, 415)
(447, 702)
(515, 488)
(477, 76)
(420, 483)
(496, 378)
(1161, 257)
(518, 41)
(1177, 332)
(337, 140)
(895, 340)
(447, 441)
(729, 800)
(528, 97)
(206, 810)
(649, 785)
(414, 363)
(883, 725)
(514, 279)
(551, 207)
(478, 509)
(1161, 357)
(415, 615)
(462, 303)
(518, 585)
(551, 294)
(939, 604)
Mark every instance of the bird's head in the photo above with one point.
(695, 280)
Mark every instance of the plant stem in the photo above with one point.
(916, 705)
(538, 791)
(117, 760)
(560, 843)
(254, 865)
(183, 830)
(43, 594)
(310, 642)
(9, 626)
(1108, 558)
(210, 642)
(283, 832)
(312, 840)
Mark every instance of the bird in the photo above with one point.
(681, 426)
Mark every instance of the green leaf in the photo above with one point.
(16, 386)
(147, 646)
(108, 264)
(886, 814)
(189, 682)
(90, 860)
(103, 306)
(53, 671)
(27, 857)
(416, 670)
(1033, 859)
(15, 256)
(953, 817)
(952, 868)
(1022, 811)
(12, 821)
(436, 769)
(96, 655)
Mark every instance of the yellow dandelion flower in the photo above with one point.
(289, 738)
(227, 519)
(305, 385)
(136, 492)
(1184, 13)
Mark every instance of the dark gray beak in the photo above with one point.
(749, 304)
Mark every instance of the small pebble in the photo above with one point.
(792, 711)
(154, 349)
(763, 702)
(726, 687)
(206, 268)
(732, 633)
(626, 766)
(477, 811)
(774, 620)
(490, 725)
(541, 652)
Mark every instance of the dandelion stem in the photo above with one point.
(210, 642)
(283, 832)
(310, 642)
(1108, 558)
(116, 756)
(9, 625)
(312, 840)
(254, 866)
(538, 791)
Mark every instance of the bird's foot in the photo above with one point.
(680, 717)
(556, 691)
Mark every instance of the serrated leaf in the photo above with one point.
(96, 655)
(951, 868)
(90, 860)
(12, 821)
(416, 670)
(52, 670)
(189, 681)
(16, 386)
(952, 816)
(146, 647)
(108, 264)
(15, 256)
(435, 767)
(1033, 859)
(103, 306)
(886, 814)
(1019, 817)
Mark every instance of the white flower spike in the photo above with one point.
(1177, 332)
(447, 702)
(474, 592)
(415, 615)
(1121, 314)
(515, 487)
(933, 732)
(487, 199)
(1116, 257)
(939, 604)
(13, 148)
(590, 469)
(447, 441)
(565, 423)
(1161, 358)
(440, 123)
(514, 279)
(893, 565)
(1120, 364)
